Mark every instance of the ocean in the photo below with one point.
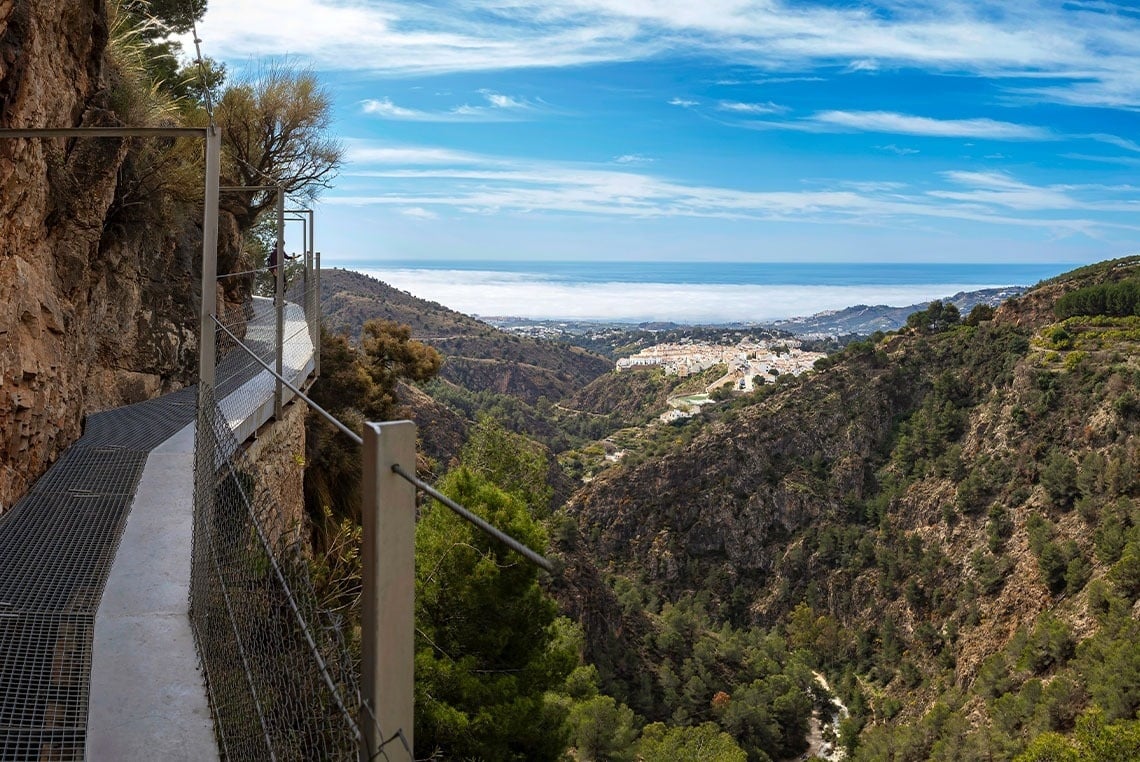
(687, 292)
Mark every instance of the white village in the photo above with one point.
(750, 362)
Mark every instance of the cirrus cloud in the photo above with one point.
(908, 124)
(498, 107)
(1088, 53)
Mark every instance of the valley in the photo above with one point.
(941, 520)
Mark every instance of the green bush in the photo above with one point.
(1059, 478)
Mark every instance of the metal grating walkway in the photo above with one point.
(57, 545)
(56, 548)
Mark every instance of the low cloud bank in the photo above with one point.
(491, 293)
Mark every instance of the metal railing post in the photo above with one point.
(307, 217)
(310, 309)
(305, 268)
(279, 302)
(388, 570)
(207, 345)
(317, 314)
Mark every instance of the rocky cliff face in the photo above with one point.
(92, 315)
(276, 456)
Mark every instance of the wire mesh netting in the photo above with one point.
(282, 671)
(281, 675)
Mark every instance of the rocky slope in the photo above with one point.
(99, 260)
(90, 317)
(441, 430)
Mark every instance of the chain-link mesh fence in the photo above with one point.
(282, 671)
(282, 668)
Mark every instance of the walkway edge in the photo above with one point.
(148, 699)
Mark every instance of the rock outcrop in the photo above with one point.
(92, 314)
(277, 458)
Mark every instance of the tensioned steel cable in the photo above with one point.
(206, 95)
(423, 486)
(478, 522)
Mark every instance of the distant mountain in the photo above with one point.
(864, 320)
(861, 319)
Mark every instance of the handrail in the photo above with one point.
(387, 556)
(420, 484)
(470, 517)
(326, 414)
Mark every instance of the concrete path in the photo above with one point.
(147, 696)
(148, 700)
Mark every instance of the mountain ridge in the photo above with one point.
(477, 355)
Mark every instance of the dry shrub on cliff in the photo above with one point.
(275, 129)
(357, 384)
(135, 97)
(160, 180)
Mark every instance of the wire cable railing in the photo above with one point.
(281, 669)
(290, 675)
(474, 520)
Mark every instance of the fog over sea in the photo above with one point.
(687, 292)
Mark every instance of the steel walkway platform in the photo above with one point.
(59, 542)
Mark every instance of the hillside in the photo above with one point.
(946, 521)
(477, 356)
(864, 320)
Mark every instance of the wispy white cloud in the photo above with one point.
(990, 188)
(752, 108)
(498, 100)
(1085, 55)
(498, 185)
(385, 108)
(683, 102)
(871, 186)
(898, 150)
(419, 213)
(894, 123)
(1002, 189)
(1127, 161)
(633, 158)
(908, 124)
(785, 80)
(1127, 145)
(498, 107)
(365, 152)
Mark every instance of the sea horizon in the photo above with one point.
(688, 292)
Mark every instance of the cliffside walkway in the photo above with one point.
(97, 657)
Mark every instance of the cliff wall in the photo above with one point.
(277, 457)
(94, 313)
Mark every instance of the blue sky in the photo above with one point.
(750, 130)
